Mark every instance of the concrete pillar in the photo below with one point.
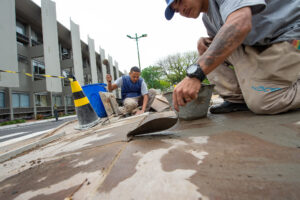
(11, 109)
(111, 69)
(102, 57)
(8, 47)
(29, 35)
(34, 106)
(51, 103)
(65, 105)
(118, 76)
(51, 50)
(76, 49)
(92, 53)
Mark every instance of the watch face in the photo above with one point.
(192, 69)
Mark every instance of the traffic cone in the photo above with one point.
(86, 115)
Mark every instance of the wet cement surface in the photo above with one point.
(232, 156)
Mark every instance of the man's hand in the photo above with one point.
(186, 91)
(139, 112)
(108, 78)
(203, 44)
(110, 86)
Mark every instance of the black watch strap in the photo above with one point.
(199, 74)
(202, 76)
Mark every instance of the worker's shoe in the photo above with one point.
(227, 107)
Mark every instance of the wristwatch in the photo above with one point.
(195, 71)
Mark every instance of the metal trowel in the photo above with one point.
(193, 110)
(153, 125)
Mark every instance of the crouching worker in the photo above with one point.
(134, 92)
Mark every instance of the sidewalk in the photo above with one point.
(31, 122)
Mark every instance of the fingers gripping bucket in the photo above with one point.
(87, 117)
(197, 108)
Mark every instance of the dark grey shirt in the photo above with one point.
(272, 21)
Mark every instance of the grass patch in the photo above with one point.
(17, 121)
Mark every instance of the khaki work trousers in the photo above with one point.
(130, 104)
(268, 80)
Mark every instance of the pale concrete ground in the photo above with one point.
(228, 156)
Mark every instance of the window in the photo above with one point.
(41, 100)
(36, 39)
(57, 100)
(38, 68)
(2, 100)
(20, 28)
(69, 101)
(22, 38)
(20, 100)
(66, 53)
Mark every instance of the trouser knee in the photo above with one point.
(270, 102)
(130, 104)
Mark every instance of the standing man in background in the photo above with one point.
(134, 91)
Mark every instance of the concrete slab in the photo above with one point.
(231, 156)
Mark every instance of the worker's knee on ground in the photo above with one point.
(257, 108)
(130, 104)
(263, 105)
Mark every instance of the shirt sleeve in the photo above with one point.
(227, 7)
(119, 82)
(144, 89)
(211, 30)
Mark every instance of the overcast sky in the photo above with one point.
(109, 21)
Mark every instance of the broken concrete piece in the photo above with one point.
(114, 104)
(159, 105)
(105, 97)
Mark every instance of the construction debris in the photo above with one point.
(160, 103)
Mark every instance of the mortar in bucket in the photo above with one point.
(197, 108)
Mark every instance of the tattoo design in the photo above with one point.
(228, 38)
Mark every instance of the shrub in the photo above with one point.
(39, 116)
(17, 121)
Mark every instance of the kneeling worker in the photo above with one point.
(134, 91)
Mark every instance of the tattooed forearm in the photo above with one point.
(229, 37)
(226, 39)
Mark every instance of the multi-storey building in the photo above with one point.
(34, 42)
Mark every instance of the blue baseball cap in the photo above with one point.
(169, 12)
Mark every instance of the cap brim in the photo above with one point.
(169, 12)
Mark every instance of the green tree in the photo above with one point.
(174, 66)
(154, 77)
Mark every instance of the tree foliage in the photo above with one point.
(174, 66)
(153, 76)
(168, 71)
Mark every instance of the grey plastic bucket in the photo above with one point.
(197, 108)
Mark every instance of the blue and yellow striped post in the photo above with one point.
(86, 115)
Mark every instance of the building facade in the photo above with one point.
(33, 42)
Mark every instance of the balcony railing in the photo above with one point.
(22, 38)
(23, 110)
(35, 43)
(66, 56)
(4, 111)
(43, 109)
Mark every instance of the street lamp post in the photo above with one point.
(137, 45)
